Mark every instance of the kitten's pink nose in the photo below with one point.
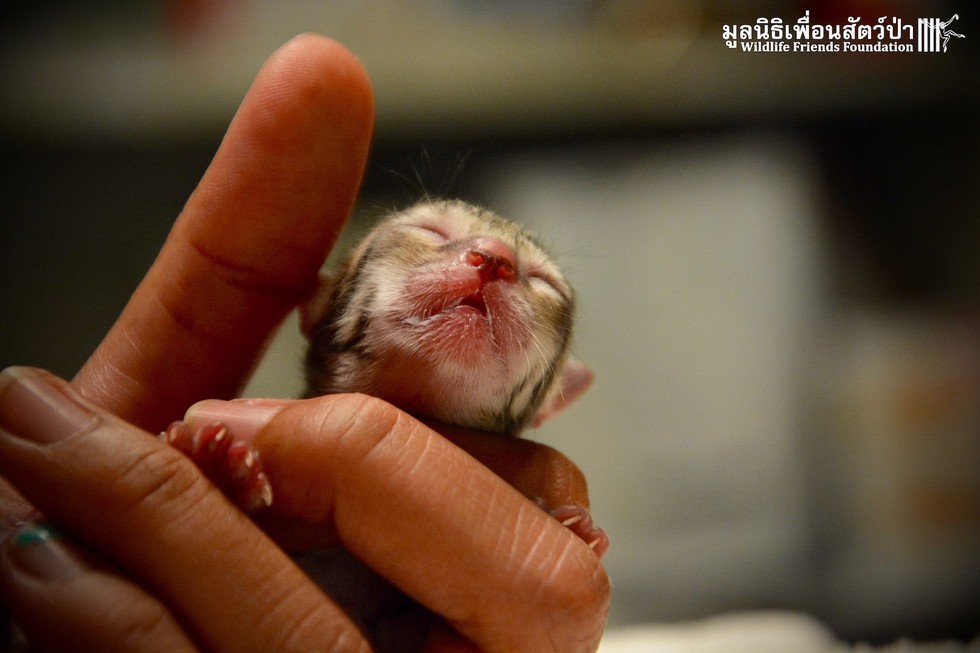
(494, 259)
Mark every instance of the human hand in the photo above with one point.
(244, 251)
(181, 565)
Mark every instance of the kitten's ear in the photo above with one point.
(312, 310)
(571, 382)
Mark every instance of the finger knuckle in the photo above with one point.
(157, 479)
(136, 623)
(359, 424)
(298, 623)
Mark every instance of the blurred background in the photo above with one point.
(777, 257)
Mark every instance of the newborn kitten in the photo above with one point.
(449, 312)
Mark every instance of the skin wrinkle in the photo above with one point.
(188, 321)
(290, 630)
(147, 406)
(412, 461)
(488, 629)
(304, 499)
(547, 568)
(214, 340)
(135, 622)
(253, 281)
(184, 498)
(553, 569)
(522, 517)
(305, 256)
(468, 615)
(505, 540)
(342, 417)
(425, 455)
(109, 384)
(186, 523)
(354, 443)
(156, 483)
(276, 589)
(135, 630)
(215, 332)
(357, 451)
(154, 480)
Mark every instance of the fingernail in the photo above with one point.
(34, 406)
(39, 550)
(243, 418)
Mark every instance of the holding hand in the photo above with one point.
(155, 557)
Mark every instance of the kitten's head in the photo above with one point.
(451, 312)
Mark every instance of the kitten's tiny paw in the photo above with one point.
(578, 520)
(231, 464)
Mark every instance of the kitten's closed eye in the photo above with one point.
(431, 232)
(546, 284)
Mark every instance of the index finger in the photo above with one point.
(249, 242)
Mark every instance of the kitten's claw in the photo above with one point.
(179, 436)
(578, 520)
(231, 464)
(257, 495)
